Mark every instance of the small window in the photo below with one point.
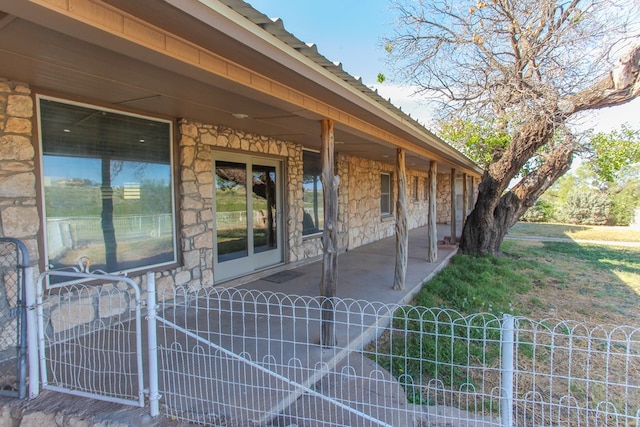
(426, 188)
(312, 195)
(415, 188)
(108, 188)
(385, 194)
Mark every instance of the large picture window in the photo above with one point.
(313, 220)
(108, 188)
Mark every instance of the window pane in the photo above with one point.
(385, 193)
(312, 195)
(426, 189)
(231, 210)
(107, 188)
(264, 208)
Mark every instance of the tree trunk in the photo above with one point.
(488, 223)
(329, 279)
(402, 237)
(106, 217)
(480, 234)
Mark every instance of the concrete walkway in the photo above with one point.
(365, 273)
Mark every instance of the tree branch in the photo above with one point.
(619, 87)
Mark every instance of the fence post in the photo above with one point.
(152, 340)
(32, 333)
(507, 365)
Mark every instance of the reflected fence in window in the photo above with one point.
(232, 219)
(68, 233)
(241, 357)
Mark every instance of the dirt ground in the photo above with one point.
(585, 294)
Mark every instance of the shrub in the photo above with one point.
(542, 211)
(623, 203)
(586, 207)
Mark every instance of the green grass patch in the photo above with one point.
(478, 284)
(439, 344)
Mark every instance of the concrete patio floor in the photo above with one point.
(366, 272)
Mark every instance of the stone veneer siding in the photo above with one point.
(197, 143)
(365, 223)
(443, 198)
(19, 216)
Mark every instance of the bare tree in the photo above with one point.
(531, 67)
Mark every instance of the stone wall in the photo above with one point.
(365, 224)
(443, 198)
(417, 209)
(19, 216)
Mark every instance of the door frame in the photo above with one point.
(254, 261)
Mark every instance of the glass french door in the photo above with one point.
(248, 231)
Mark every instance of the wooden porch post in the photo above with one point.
(402, 237)
(329, 279)
(453, 207)
(432, 251)
(465, 197)
(472, 199)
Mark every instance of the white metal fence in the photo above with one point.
(238, 357)
(427, 366)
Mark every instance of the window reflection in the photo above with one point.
(264, 208)
(107, 187)
(231, 210)
(313, 220)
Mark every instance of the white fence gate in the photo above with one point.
(89, 337)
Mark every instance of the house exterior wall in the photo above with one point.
(359, 217)
(19, 216)
(197, 144)
(365, 223)
(417, 209)
(443, 198)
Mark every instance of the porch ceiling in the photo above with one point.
(59, 55)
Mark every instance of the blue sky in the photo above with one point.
(352, 32)
(348, 31)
